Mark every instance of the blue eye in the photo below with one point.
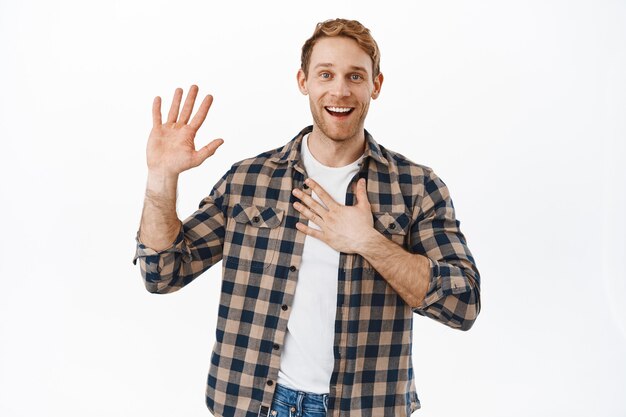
(356, 77)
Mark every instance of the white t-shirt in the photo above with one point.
(306, 363)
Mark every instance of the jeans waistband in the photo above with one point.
(301, 400)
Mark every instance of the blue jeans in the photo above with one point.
(290, 403)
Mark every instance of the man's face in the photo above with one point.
(339, 85)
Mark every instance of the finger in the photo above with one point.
(185, 114)
(173, 114)
(156, 112)
(203, 110)
(321, 193)
(361, 193)
(206, 151)
(309, 231)
(309, 214)
(310, 202)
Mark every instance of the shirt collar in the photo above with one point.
(291, 151)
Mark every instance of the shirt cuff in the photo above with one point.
(149, 255)
(445, 280)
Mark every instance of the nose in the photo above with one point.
(340, 88)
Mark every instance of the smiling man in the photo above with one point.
(330, 244)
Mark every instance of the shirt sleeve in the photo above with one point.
(197, 247)
(453, 296)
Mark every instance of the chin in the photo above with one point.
(341, 138)
(343, 134)
(332, 131)
(339, 134)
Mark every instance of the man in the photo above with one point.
(329, 245)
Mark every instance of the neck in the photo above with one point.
(336, 153)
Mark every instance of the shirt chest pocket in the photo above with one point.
(253, 236)
(394, 226)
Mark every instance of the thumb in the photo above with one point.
(207, 151)
(361, 193)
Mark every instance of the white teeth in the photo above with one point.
(339, 109)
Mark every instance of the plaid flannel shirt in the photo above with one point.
(248, 220)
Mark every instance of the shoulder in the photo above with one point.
(260, 175)
(255, 164)
(406, 169)
(417, 183)
(272, 159)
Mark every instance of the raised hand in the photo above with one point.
(171, 148)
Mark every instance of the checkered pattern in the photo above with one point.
(249, 221)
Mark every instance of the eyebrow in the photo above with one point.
(352, 67)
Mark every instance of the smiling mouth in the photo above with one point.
(339, 111)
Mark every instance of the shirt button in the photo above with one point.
(255, 219)
(275, 346)
(292, 268)
(284, 307)
(293, 409)
(392, 226)
(270, 383)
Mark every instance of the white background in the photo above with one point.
(519, 106)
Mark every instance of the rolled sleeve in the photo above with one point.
(155, 262)
(453, 295)
(444, 281)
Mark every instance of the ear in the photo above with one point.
(378, 84)
(302, 82)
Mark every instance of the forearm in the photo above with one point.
(182, 250)
(159, 222)
(407, 273)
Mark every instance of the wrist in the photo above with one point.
(161, 182)
(370, 244)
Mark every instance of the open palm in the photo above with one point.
(171, 148)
